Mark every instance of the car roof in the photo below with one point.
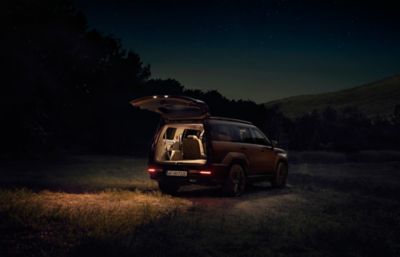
(213, 118)
(230, 120)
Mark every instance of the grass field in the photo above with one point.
(106, 206)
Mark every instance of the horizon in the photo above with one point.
(351, 87)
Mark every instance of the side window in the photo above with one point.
(245, 135)
(221, 132)
(170, 133)
(236, 136)
(259, 137)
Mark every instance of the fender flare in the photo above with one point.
(236, 158)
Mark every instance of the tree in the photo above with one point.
(66, 87)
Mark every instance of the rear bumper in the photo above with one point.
(194, 175)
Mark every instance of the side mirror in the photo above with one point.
(274, 143)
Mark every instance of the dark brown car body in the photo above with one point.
(228, 143)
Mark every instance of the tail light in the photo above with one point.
(205, 172)
(153, 170)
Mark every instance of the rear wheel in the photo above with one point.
(168, 187)
(236, 181)
(280, 179)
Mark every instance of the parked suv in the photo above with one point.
(190, 146)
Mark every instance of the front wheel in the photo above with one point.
(168, 187)
(280, 178)
(236, 182)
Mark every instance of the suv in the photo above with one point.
(190, 146)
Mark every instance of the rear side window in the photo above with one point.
(231, 133)
(170, 133)
(221, 132)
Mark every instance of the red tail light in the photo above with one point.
(205, 172)
(151, 170)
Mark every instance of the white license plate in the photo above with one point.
(177, 173)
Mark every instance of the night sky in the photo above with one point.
(257, 50)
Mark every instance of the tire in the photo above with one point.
(168, 187)
(235, 183)
(280, 179)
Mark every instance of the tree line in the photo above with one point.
(66, 89)
(346, 130)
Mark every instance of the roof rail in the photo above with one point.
(229, 119)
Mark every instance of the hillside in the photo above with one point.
(379, 97)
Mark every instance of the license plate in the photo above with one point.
(177, 173)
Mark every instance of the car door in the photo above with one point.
(245, 144)
(264, 155)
